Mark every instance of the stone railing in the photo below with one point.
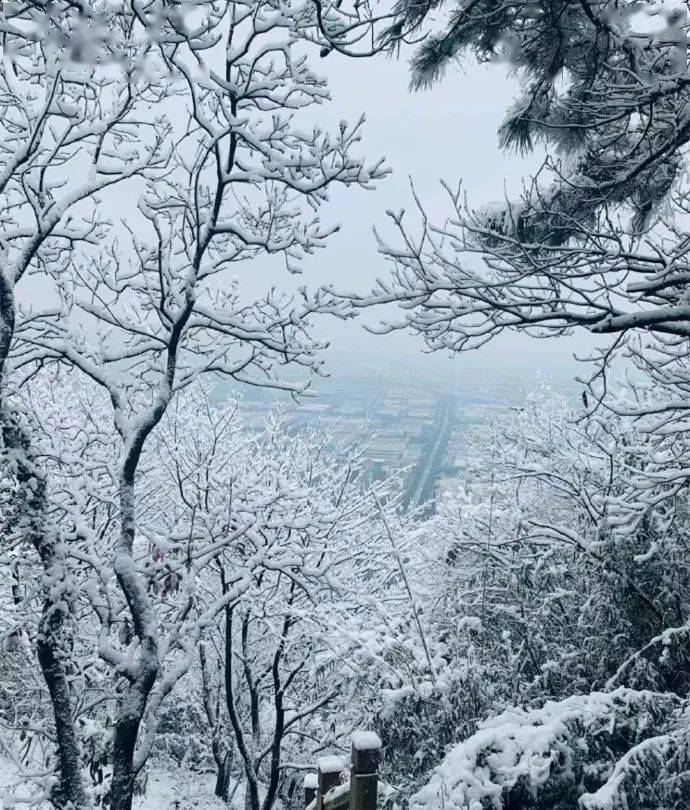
(327, 789)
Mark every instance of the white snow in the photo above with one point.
(336, 792)
(183, 790)
(332, 764)
(517, 745)
(366, 740)
(164, 791)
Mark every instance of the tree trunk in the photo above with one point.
(122, 785)
(125, 769)
(251, 796)
(133, 703)
(70, 792)
(223, 779)
(55, 614)
(221, 755)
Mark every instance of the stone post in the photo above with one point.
(366, 755)
(330, 769)
(311, 784)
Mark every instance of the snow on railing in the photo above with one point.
(330, 789)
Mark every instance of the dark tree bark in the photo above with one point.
(55, 617)
(221, 754)
(222, 789)
(133, 702)
(124, 774)
(252, 800)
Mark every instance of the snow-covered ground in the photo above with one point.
(164, 791)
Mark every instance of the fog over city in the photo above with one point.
(424, 409)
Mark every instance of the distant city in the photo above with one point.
(421, 431)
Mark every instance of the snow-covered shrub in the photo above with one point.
(529, 595)
(516, 552)
(411, 748)
(546, 759)
(184, 735)
(421, 718)
(655, 773)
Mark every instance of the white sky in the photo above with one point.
(449, 132)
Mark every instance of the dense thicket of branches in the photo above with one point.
(177, 589)
(597, 241)
(589, 244)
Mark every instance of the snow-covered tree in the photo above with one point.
(589, 244)
(279, 663)
(70, 130)
(243, 180)
(598, 239)
(266, 580)
(606, 86)
(529, 592)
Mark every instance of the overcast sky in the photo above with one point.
(449, 132)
